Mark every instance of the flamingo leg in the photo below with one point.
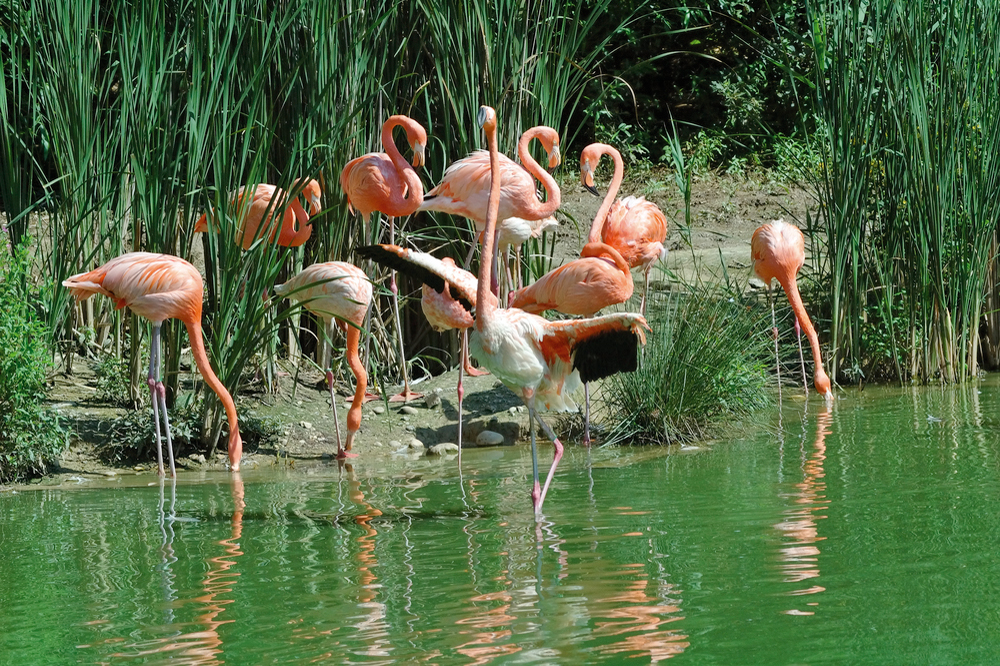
(407, 394)
(586, 414)
(158, 396)
(472, 250)
(333, 407)
(536, 489)
(555, 459)
(645, 291)
(461, 392)
(802, 360)
(774, 334)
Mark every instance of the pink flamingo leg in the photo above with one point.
(774, 334)
(555, 460)
(586, 414)
(802, 360)
(407, 394)
(461, 393)
(536, 489)
(333, 407)
(157, 395)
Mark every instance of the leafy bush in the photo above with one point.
(30, 436)
(706, 359)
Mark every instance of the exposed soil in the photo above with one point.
(724, 211)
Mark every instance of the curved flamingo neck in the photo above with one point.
(305, 228)
(795, 300)
(414, 196)
(554, 196)
(485, 304)
(205, 367)
(598, 249)
(609, 198)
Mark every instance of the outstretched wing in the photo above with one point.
(427, 269)
(598, 346)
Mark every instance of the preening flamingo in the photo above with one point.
(778, 251)
(464, 188)
(159, 287)
(634, 226)
(257, 215)
(386, 183)
(513, 232)
(442, 310)
(340, 290)
(600, 278)
(540, 360)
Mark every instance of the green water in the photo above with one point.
(863, 535)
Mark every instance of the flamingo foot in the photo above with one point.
(406, 396)
(369, 397)
(475, 372)
(344, 455)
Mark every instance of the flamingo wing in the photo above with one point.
(465, 188)
(636, 228)
(369, 182)
(331, 289)
(597, 347)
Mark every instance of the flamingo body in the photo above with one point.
(337, 290)
(636, 228)
(268, 201)
(160, 287)
(778, 252)
(581, 287)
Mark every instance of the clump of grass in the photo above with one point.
(705, 360)
(30, 436)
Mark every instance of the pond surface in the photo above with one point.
(866, 534)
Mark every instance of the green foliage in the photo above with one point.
(111, 377)
(30, 436)
(704, 361)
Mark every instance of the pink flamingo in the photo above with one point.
(600, 278)
(159, 287)
(268, 202)
(635, 227)
(778, 251)
(386, 183)
(464, 188)
(340, 290)
(540, 360)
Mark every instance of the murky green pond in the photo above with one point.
(867, 534)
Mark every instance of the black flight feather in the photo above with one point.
(605, 354)
(390, 259)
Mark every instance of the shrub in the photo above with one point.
(706, 359)
(30, 436)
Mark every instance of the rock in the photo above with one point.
(379, 409)
(756, 284)
(521, 409)
(432, 399)
(305, 425)
(198, 458)
(416, 445)
(512, 410)
(489, 438)
(408, 410)
(410, 428)
(110, 473)
(395, 444)
(443, 449)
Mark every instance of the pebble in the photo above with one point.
(757, 284)
(489, 438)
(110, 473)
(407, 409)
(443, 449)
(379, 409)
(305, 425)
(416, 444)
(513, 410)
(395, 444)
(433, 399)
(198, 458)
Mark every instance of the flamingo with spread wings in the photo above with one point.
(540, 360)
(386, 183)
(160, 287)
(340, 290)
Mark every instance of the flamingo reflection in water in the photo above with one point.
(800, 555)
(374, 624)
(203, 646)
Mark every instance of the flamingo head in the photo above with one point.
(416, 136)
(201, 226)
(587, 172)
(313, 194)
(487, 118)
(550, 140)
(822, 383)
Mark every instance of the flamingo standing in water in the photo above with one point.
(386, 183)
(540, 360)
(634, 226)
(257, 216)
(778, 251)
(464, 188)
(342, 290)
(600, 278)
(159, 287)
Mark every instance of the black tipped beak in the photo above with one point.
(592, 190)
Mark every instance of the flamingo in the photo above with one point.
(539, 360)
(633, 226)
(778, 251)
(513, 232)
(386, 183)
(464, 188)
(257, 215)
(342, 290)
(600, 278)
(159, 287)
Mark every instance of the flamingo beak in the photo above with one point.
(482, 116)
(587, 178)
(314, 205)
(554, 157)
(418, 154)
